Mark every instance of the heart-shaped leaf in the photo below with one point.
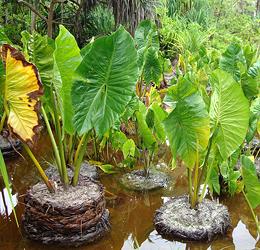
(229, 113)
(105, 82)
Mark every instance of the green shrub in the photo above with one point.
(177, 36)
(100, 21)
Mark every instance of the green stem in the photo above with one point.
(71, 149)
(206, 181)
(196, 182)
(204, 165)
(252, 212)
(147, 163)
(60, 143)
(53, 142)
(81, 142)
(97, 158)
(82, 150)
(2, 121)
(38, 166)
(190, 182)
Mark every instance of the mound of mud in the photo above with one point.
(176, 220)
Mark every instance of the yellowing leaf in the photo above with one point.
(22, 90)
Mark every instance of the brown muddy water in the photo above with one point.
(131, 214)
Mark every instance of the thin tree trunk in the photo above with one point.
(34, 16)
(257, 11)
(50, 18)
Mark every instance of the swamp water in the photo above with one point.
(131, 214)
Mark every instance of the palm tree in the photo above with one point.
(131, 12)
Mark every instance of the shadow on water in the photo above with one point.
(131, 214)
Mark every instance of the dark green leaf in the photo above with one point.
(105, 82)
(251, 182)
(187, 126)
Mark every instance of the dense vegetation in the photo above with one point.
(132, 76)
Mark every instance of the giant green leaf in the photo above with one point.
(39, 50)
(67, 58)
(251, 182)
(105, 82)
(188, 125)
(229, 113)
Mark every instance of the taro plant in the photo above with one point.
(202, 138)
(103, 85)
(151, 133)
(86, 92)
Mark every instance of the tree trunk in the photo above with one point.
(50, 18)
(257, 11)
(132, 12)
(34, 16)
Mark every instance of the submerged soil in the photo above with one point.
(177, 220)
(138, 180)
(131, 214)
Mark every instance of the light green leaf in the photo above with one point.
(229, 113)
(118, 139)
(254, 119)
(214, 181)
(230, 60)
(159, 116)
(131, 107)
(128, 148)
(105, 82)
(146, 35)
(107, 168)
(144, 132)
(250, 85)
(152, 69)
(67, 58)
(251, 182)
(39, 50)
(85, 50)
(187, 126)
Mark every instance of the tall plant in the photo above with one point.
(200, 138)
(88, 91)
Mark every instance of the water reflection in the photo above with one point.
(5, 203)
(131, 215)
(242, 238)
